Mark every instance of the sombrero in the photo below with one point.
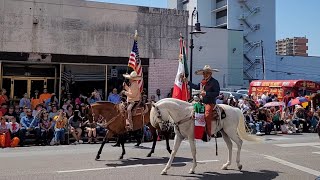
(133, 75)
(206, 68)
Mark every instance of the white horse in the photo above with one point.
(180, 113)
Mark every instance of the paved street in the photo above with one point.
(293, 157)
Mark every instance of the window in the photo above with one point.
(221, 14)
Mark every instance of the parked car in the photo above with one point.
(243, 91)
(237, 96)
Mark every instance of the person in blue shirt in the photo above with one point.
(114, 97)
(29, 125)
(25, 101)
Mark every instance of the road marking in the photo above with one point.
(298, 144)
(295, 166)
(316, 152)
(316, 146)
(131, 166)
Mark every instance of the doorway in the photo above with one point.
(18, 86)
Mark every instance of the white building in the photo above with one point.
(296, 67)
(221, 49)
(255, 17)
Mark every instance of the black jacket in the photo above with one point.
(212, 89)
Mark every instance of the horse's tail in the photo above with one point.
(242, 129)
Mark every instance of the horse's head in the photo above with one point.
(157, 119)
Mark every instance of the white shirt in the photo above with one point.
(17, 127)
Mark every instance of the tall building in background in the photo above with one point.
(296, 46)
(255, 17)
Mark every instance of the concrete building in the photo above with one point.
(255, 17)
(81, 45)
(296, 46)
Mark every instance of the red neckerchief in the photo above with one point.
(204, 82)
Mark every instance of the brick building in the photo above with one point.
(296, 46)
(48, 44)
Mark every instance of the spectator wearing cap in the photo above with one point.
(114, 97)
(25, 101)
(44, 96)
(29, 125)
(35, 100)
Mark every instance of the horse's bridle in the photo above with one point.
(166, 123)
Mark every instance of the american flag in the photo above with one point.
(135, 63)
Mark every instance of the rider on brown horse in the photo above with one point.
(133, 95)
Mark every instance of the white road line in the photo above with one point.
(298, 144)
(130, 166)
(295, 166)
(316, 152)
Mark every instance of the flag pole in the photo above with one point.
(181, 54)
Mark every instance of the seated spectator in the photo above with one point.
(277, 120)
(90, 127)
(35, 100)
(84, 110)
(114, 97)
(4, 125)
(25, 101)
(54, 112)
(59, 128)
(14, 127)
(23, 113)
(258, 125)
(37, 110)
(69, 111)
(46, 127)
(18, 111)
(29, 125)
(11, 112)
(77, 107)
(269, 126)
(101, 122)
(75, 127)
(153, 99)
(3, 109)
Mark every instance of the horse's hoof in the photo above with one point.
(97, 158)
(240, 167)
(224, 167)
(121, 157)
(191, 171)
(149, 155)
(164, 173)
(169, 151)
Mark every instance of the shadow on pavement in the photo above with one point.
(140, 161)
(261, 175)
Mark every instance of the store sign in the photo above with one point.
(114, 73)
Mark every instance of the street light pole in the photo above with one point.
(196, 31)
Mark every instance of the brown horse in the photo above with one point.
(115, 116)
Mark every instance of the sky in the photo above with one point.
(294, 18)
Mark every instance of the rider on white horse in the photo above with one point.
(209, 90)
(133, 95)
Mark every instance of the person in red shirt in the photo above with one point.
(3, 109)
(3, 97)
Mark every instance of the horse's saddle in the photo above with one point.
(216, 113)
(137, 110)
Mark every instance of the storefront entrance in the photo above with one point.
(20, 79)
(17, 86)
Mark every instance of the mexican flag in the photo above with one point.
(180, 90)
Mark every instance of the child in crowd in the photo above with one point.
(14, 127)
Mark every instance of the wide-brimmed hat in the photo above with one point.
(206, 68)
(133, 75)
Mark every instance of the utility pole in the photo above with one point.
(263, 61)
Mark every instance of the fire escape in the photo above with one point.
(249, 46)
